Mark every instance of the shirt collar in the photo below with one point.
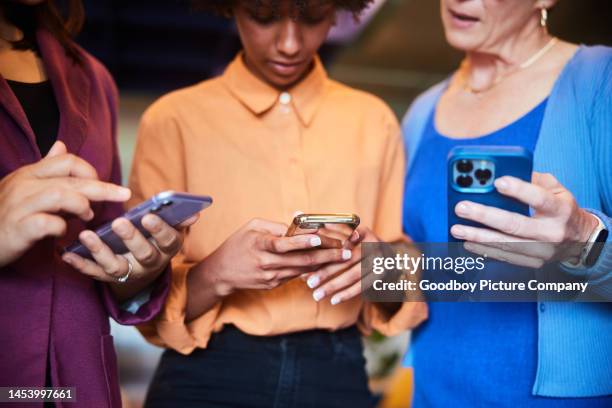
(259, 97)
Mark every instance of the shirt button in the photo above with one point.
(542, 307)
(284, 98)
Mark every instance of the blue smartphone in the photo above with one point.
(472, 171)
(170, 206)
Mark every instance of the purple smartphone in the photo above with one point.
(172, 207)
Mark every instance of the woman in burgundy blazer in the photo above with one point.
(54, 328)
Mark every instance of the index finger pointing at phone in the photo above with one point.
(93, 190)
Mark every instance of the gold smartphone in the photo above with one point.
(311, 223)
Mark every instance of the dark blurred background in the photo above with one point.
(154, 46)
(159, 45)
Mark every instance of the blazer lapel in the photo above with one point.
(72, 88)
(13, 108)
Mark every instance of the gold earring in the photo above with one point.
(543, 17)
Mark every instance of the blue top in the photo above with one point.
(425, 220)
(489, 344)
(568, 345)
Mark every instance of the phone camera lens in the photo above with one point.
(483, 175)
(464, 166)
(464, 181)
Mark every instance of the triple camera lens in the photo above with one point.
(466, 176)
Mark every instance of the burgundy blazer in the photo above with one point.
(48, 311)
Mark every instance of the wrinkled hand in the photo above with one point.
(558, 226)
(33, 198)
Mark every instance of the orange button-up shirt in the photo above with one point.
(262, 153)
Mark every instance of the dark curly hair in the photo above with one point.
(224, 7)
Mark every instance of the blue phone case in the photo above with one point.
(513, 161)
(170, 206)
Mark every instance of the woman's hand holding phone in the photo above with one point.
(341, 281)
(558, 223)
(257, 256)
(147, 257)
(34, 196)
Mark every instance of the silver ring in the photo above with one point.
(125, 277)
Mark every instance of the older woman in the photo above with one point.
(517, 85)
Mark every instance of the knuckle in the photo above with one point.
(277, 245)
(149, 255)
(111, 269)
(269, 277)
(253, 223)
(42, 224)
(308, 259)
(55, 193)
(512, 225)
(262, 262)
(258, 240)
(556, 235)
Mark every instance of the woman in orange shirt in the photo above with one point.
(271, 136)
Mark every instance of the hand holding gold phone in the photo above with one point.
(330, 225)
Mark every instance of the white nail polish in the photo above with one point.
(313, 282)
(335, 300)
(315, 241)
(346, 254)
(318, 295)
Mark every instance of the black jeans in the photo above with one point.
(308, 369)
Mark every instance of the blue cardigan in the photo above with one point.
(575, 145)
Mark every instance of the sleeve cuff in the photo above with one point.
(139, 313)
(134, 304)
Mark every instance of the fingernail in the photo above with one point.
(121, 228)
(313, 282)
(153, 222)
(124, 193)
(315, 241)
(67, 259)
(90, 215)
(462, 209)
(335, 300)
(457, 231)
(355, 236)
(346, 254)
(501, 184)
(88, 238)
(295, 214)
(318, 294)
